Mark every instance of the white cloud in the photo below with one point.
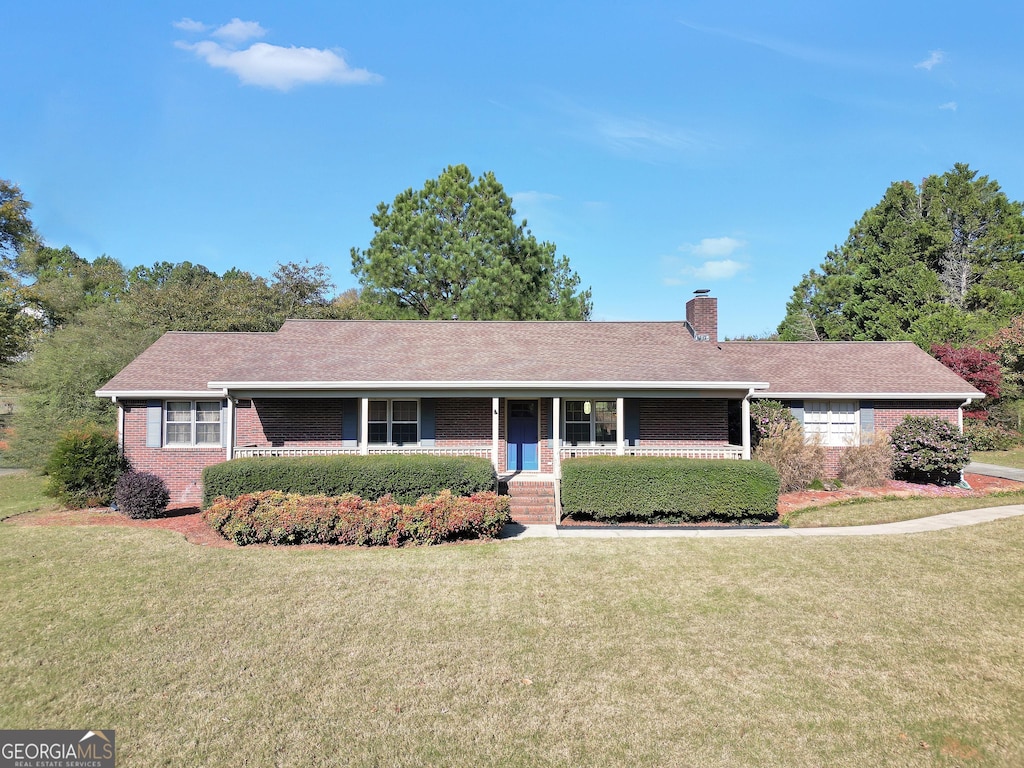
(716, 270)
(949, 105)
(934, 59)
(238, 31)
(270, 66)
(530, 197)
(273, 66)
(714, 246)
(190, 25)
(631, 134)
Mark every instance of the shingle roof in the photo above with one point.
(362, 352)
(849, 367)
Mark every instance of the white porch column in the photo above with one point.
(364, 426)
(495, 458)
(745, 418)
(230, 427)
(120, 425)
(620, 426)
(556, 436)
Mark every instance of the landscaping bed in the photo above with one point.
(981, 485)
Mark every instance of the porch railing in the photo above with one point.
(248, 452)
(686, 452)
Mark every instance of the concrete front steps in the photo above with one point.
(532, 499)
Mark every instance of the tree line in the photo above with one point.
(452, 249)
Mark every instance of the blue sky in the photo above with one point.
(662, 146)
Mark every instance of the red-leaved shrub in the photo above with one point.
(273, 517)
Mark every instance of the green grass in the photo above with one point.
(1014, 458)
(22, 492)
(892, 510)
(719, 652)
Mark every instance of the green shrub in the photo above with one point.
(784, 448)
(661, 489)
(929, 449)
(406, 478)
(273, 517)
(141, 495)
(869, 464)
(84, 467)
(767, 416)
(990, 437)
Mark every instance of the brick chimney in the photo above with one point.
(702, 316)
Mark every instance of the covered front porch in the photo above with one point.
(520, 433)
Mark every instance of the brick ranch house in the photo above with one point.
(526, 395)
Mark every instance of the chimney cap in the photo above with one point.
(702, 291)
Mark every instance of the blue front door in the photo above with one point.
(522, 436)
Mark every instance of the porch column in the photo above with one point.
(364, 426)
(620, 426)
(229, 426)
(495, 402)
(745, 418)
(556, 436)
(120, 425)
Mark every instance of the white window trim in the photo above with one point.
(192, 425)
(391, 422)
(830, 437)
(593, 419)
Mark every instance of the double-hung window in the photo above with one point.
(833, 422)
(394, 422)
(590, 422)
(192, 422)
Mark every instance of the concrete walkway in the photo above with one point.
(994, 470)
(920, 525)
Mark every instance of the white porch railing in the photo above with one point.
(685, 452)
(482, 451)
(249, 452)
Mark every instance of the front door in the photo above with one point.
(522, 436)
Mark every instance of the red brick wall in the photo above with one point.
(311, 422)
(180, 468)
(462, 422)
(679, 422)
(888, 414)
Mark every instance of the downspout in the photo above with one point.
(120, 425)
(745, 418)
(960, 423)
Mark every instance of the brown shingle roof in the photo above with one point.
(477, 353)
(849, 367)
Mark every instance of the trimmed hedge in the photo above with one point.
(406, 478)
(272, 517)
(628, 488)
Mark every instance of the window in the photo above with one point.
(834, 422)
(590, 421)
(394, 421)
(192, 422)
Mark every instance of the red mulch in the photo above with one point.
(981, 485)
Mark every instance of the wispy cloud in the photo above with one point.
(788, 48)
(949, 105)
(190, 25)
(714, 261)
(934, 59)
(712, 247)
(641, 134)
(270, 66)
(238, 31)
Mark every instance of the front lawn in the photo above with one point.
(874, 511)
(1014, 458)
(22, 492)
(726, 652)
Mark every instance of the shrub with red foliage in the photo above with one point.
(273, 517)
(977, 367)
